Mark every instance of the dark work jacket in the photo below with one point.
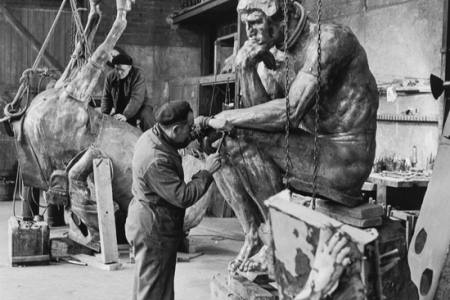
(133, 95)
(158, 181)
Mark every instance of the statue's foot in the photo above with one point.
(257, 263)
(251, 246)
(234, 265)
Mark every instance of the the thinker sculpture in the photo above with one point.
(346, 126)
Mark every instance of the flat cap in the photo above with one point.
(122, 59)
(269, 7)
(172, 112)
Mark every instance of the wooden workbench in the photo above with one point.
(383, 181)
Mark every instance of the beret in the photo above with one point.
(122, 59)
(269, 7)
(172, 112)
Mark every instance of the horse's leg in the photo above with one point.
(89, 31)
(83, 218)
(83, 84)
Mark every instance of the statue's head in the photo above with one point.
(263, 20)
(257, 16)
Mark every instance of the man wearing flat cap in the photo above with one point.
(125, 91)
(160, 197)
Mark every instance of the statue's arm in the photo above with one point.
(107, 101)
(252, 88)
(137, 96)
(271, 116)
(338, 47)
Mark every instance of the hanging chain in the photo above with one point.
(286, 91)
(316, 104)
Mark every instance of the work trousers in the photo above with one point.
(155, 256)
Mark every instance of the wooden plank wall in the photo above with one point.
(16, 54)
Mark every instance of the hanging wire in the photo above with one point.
(286, 90)
(227, 93)
(79, 28)
(316, 104)
(212, 100)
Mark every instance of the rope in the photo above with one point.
(79, 28)
(286, 90)
(316, 153)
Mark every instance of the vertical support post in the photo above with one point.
(381, 194)
(216, 56)
(105, 210)
(445, 106)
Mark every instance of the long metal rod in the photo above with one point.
(49, 34)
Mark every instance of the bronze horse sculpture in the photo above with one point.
(59, 135)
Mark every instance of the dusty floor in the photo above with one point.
(66, 281)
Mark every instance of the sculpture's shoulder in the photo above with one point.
(337, 35)
(339, 45)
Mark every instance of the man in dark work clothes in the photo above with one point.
(160, 196)
(125, 91)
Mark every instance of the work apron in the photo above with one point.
(155, 254)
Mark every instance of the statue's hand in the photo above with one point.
(330, 261)
(120, 117)
(220, 124)
(251, 53)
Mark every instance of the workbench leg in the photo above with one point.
(381, 194)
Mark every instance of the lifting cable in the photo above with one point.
(287, 157)
(316, 104)
(80, 34)
(316, 152)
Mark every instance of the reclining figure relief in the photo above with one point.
(255, 158)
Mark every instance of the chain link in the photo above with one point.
(286, 90)
(316, 104)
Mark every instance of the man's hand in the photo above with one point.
(212, 163)
(220, 124)
(251, 53)
(120, 117)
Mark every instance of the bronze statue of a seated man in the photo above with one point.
(346, 127)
